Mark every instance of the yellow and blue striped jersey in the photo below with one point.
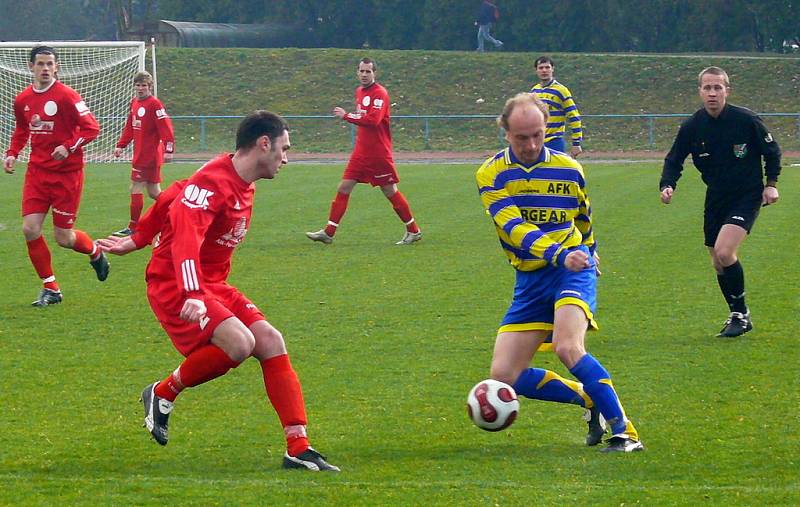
(541, 211)
(562, 110)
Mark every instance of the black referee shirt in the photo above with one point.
(727, 151)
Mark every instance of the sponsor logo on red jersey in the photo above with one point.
(235, 236)
(195, 197)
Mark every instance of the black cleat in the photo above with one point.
(309, 460)
(736, 325)
(156, 414)
(597, 426)
(123, 233)
(48, 297)
(101, 266)
(622, 443)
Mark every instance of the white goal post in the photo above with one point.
(101, 72)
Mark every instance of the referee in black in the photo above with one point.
(727, 144)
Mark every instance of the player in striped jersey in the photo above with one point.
(561, 106)
(537, 200)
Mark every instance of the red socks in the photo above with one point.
(338, 208)
(42, 263)
(399, 203)
(84, 244)
(286, 395)
(280, 380)
(403, 210)
(137, 203)
(204, 364)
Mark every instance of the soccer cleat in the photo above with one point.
(597, 426)
(156, 414)
(623, 443)
(123, 233)
(48, 297)
(309, 460)
(736, 325)
(409, 238)
(320, 236)
(101, 267)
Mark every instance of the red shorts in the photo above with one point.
(377, 172)
(61, 191)
(222, 302)
(147, 175)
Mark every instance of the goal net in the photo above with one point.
(101, 72)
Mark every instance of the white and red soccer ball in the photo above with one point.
(492, 405)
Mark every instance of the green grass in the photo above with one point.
(387, 341)
(234, 81)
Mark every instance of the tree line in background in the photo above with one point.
(547, 25)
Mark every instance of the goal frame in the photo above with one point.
(111, 127)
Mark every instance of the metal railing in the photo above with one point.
(427, 121)
(418, 132)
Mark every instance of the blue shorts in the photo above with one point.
(537, 295)
(558, 144)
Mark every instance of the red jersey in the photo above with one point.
(373, 108)
(56, 116)
(150, 129)
(206, 222)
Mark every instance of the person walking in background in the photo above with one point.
(727, 144)
(488, 14)
(59, 124)
(150, 129)
(561, 106)
(371, 161)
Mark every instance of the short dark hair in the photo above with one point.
(43, 50)
(544, 59)
(257, 124)
(368, 61)
(714, 71)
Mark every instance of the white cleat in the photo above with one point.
(623, 443)
(320, 236)
(409, 238)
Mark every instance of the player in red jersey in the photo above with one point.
(59, 123)
(371, 161)
(150, 129)
(210, 322)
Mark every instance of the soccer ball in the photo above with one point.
(492, 405)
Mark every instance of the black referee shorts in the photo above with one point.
(742, 212)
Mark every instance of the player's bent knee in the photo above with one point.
(64, 237)
(269, 341)
(505, 373)
(724, 257)
(237, 341)
(242, 348)
(568, 353)
(31, 232)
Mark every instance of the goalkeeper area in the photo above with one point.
(101, 72)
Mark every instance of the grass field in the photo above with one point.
(291, 81)
(388, 340)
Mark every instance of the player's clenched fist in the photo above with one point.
(666, 195)
(193, 310)
(9, 164)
